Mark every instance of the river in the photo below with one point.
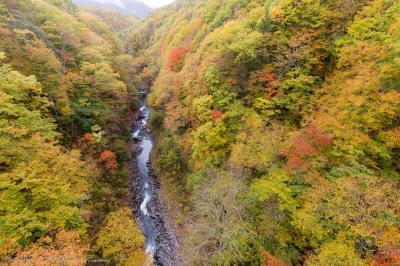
(161, 240)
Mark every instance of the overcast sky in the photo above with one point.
(157, 3)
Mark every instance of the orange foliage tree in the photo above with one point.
(108, 160)
(387, 258)
(66, 249)
(270, 260)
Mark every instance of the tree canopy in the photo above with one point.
(295, 101)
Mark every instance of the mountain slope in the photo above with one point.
(65, 97)
(130, 7)
(278, 128)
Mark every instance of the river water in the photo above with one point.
(161, 240)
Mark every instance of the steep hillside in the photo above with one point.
(65, 98)
(278, 128)
(130, 7)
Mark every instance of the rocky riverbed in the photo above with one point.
(161, 240)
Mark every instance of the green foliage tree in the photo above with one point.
(42, 186)
(298, 98)
(202, 107)
(65, 86)
(94, 92)
(256, 147)
(120, 239)
(337, 253)
(210, 143)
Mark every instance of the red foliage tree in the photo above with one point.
(308, 142)
(216, 114)
(176, 57)
(109, 160)
(88, 137)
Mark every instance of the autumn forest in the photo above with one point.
(212, 132)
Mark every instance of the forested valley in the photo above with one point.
(276, 130)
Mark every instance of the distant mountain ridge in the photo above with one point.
(131, 7)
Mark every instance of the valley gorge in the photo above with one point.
(232, 132)
(161, 240)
